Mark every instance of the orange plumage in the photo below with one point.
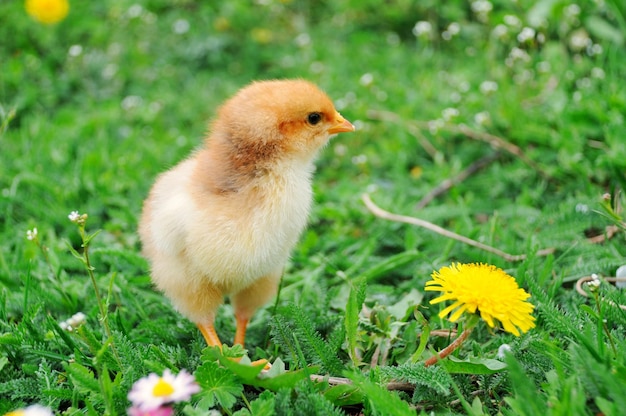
(224, 221)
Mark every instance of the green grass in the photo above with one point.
(93, 108)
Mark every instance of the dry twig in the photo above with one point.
(381, 213)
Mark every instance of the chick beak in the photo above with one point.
(341, 125)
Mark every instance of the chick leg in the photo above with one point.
(248, 301)
(240, 333)
(208, 331)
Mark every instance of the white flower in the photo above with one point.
(482, 118)
(512, 20)
(503, 350)
(75, 50)
(488, 87)
(515, 55)
(74, 216)
(422, 28)
(579, 40)
(31, 234)
(152, 392)
(597, 73)
(526, 35)
(181, 26)
(500, 31)
(453, 29)
(482, 6)
(359, 159)
(572, 11)
(482, 9)
(77, 319)
(366, 79)
(435, 125)
(449, 113)
(33, 410)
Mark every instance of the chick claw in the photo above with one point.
(213, 340)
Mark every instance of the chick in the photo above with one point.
(224, 221)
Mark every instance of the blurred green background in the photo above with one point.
(94, 107)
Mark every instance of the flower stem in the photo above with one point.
(470, 324)
(104, 317)
(450, 348)
(604, 326)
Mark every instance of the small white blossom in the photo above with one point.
(31, 234)
(482, 8)
(453, 29)
(131, 101)
(435, 125)
(303, 39)
(503, 350)
(594, 283)
(77, 319)
(594, 49)
(526, 35)
(366, 79)
(181, 26)
(500, 32)
(512, 20)
(488, 87)
(134, 11)
(483, 118)
(582, 208)
(152, 392)
(572, 11)
(359, 159)
(74, 216)
(422, 29)
(75, 50)
(33, 410)
(515, 55)
(597, 73)
(449, 113)
(579, 40)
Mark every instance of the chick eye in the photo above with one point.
(314, 118)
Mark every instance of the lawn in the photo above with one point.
(487, 132)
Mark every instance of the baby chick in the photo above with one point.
(224, 221)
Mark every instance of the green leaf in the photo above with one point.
(219, 386)
(472, 365)
(389, 264)
(286, 380)
(344, 395)
(403, 308)
(263, 405)
(351, 320)
(82, 378)
(381, 400)
(245, 372)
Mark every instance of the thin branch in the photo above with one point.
(339, 381)
(381, 213)
(450, 182)
(609, 232)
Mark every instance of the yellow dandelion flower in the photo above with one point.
(47, 11)
(486, 289)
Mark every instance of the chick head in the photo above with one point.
(278, 119)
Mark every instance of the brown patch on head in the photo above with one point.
(263, 123)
